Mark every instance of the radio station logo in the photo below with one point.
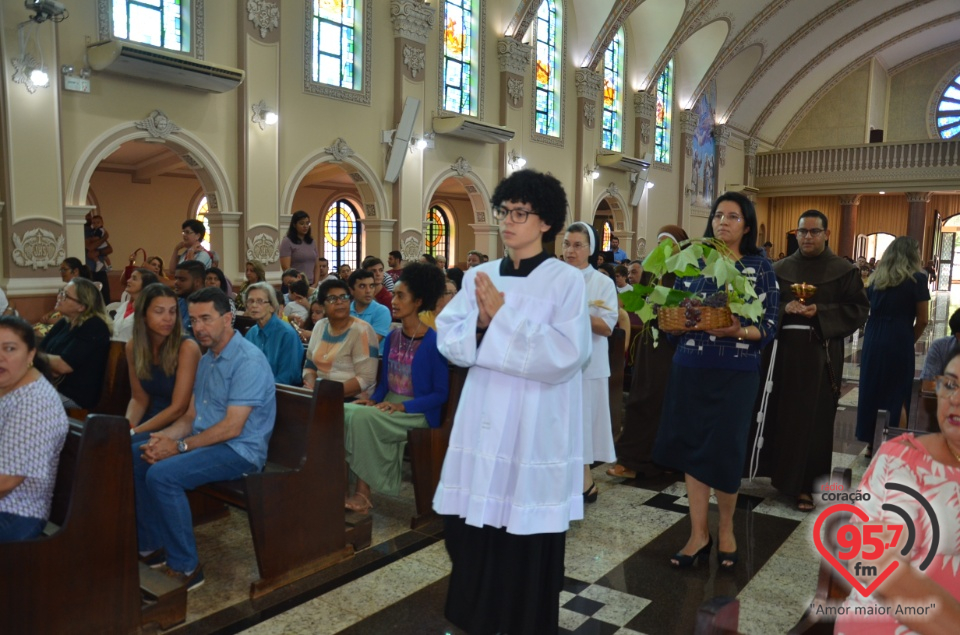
(868, 542)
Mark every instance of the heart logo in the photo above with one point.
(854, 582)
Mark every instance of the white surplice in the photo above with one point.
(597, 429)
(515, 457)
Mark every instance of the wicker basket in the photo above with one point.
(672, 318)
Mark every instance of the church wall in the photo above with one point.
(877, 100)
(839, 118)
(911, 91)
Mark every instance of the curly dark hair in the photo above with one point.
(328, 286)
(425, 283)
(543, 192)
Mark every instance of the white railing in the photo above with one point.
(868, 157)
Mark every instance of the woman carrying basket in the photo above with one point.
(713, 386)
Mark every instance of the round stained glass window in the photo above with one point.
(337, 227)
(948, 111)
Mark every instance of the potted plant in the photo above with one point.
(679, 310)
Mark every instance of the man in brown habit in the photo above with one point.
(809, 364)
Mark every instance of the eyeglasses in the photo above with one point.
(256, 301)
(733, 218)
(946, 386)
(449, 293)
(64, 269)
(803, 233)
(335, 299)
(576, 246)
(517, 215)
(63, 296)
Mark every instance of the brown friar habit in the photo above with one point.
(798, 434)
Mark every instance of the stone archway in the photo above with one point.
(613, 201)
(485, 232)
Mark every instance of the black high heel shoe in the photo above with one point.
(727, 559)
(681, 561)
(590, 496)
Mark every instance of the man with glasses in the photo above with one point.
(223, 435)
(809, 360)
(363, 288)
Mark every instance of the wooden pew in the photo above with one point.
(831, 588)
(428, 447)
(85, 577)
(115, 394)
(295, 506)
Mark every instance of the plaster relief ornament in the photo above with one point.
(641, 247)
(263, 248)
(613, 190)
(339, 150)
(645, 130)
(461, 167)
(264, 15)
(410, 247)
(158, 125)
(515, 90)
(589, 114)
(38, 248)
(414, 58)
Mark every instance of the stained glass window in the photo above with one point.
(161, 23)
(548, 69)
(662, 118)
(607, 233)
(341, 235)
(459, 57)
(613, 94)
(438, 233)
(335, 43)
(202, 210)
(948, 111)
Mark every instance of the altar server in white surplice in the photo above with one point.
(513, 474)
(579, 245)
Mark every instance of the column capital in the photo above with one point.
(721, 134)
(644, 104)
(484, 228)
(223, 219)
(589, 82)
(379, 223)
(412, 20)
(750, 146)
(918, 197)
(850, 199)
(514, 56)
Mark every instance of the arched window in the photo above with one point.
(461, 73)
(339, 49)
(548, 70)
(662, 118)
(613, 94)
(438, 233)
(202, 209)
(341, 235)
(948, 110)
(160, 23)
(605, 235)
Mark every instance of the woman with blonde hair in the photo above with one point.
(899, 307)
(77, 346)
(161, 361)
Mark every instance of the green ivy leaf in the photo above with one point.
(646, 312)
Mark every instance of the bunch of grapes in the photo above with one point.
(692, 311)
(717, 300)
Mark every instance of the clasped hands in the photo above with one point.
(159, 447)
(383, 406)
(489, 300)
(796, 308)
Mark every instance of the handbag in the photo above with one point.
(128, 270)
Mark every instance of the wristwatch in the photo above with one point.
(182, 446)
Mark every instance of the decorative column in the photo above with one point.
(514, 57)
(849, 205)
(589, 84)
(750, 160)
(688, 128)
(258, 40)
(917, 220)
(413, 23)
(487, 239)
(645, 110)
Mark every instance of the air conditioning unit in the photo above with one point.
(617, 161)
(159, 65)
(472, 129)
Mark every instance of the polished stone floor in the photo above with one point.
(618, 578)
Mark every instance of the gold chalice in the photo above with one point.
(803, 291)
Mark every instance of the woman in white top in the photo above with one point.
(513, 474)
(579, 244)
(123, 320)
